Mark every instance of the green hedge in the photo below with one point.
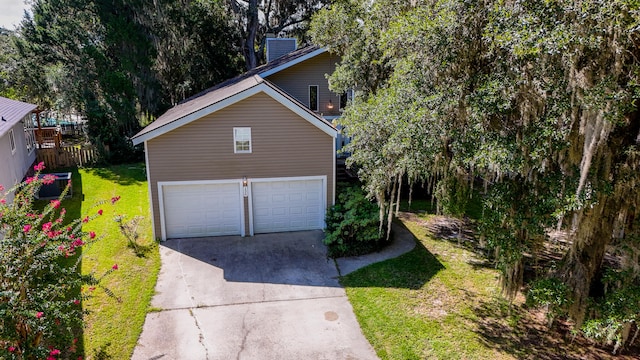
(352, 225)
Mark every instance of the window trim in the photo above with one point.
(12, 142)
(237, 138)
(317, 99)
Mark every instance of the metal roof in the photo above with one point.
(11, 112)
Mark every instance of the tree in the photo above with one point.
(534, 98)
(256, 19)
(40, 279)
(122, 63)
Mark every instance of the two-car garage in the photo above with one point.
(226, 207)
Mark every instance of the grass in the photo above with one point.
(422, 304)
(115, 320)
(441, 301)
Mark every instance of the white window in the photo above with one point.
(12, 141)
(313, 97)
(242, 140)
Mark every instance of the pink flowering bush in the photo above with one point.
(40, 279)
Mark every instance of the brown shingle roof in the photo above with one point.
(260, 70)
(226, 90)
(12, 111)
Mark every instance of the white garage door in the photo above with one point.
(202, 210)
(289, 205)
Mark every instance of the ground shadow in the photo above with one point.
(293, 258)
(409, 271)
(299, 258)
(514, 330)
(125, 174)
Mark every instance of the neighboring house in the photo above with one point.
(17, 141)
(247, 156)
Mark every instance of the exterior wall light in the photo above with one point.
(330, 105)
(245, 185)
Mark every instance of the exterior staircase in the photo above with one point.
(343, 174)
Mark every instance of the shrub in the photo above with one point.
(352, 225)
(552, 295)
(40, 279)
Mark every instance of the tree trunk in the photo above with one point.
(589, 242)
(249, 48)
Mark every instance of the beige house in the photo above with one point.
(17, 142)
(255, 154)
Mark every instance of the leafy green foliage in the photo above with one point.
(120, 64)
(551, 294)
(534, 99)
(40, 279)
(352, 225)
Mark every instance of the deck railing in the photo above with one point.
(48, 137)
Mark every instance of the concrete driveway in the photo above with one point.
(273, 296)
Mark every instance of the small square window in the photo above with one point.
(12, 141)
(242, 140)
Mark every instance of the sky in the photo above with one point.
(11, 13)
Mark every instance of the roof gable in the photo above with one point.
(11, 112)
(222, 97)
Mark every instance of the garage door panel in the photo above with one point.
(287, 205)
(202, 210)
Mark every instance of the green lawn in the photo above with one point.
(441, 301)
(424, 304)
(113, 325)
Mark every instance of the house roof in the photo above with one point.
(12, 111)
(272, 67)
(221, 96)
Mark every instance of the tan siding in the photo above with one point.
(283, 145)
(296, 80)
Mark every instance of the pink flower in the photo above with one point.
(1, 188)
(39, 314)
(26, 228)
(61, 247)
(3, 201)
(100, 212)
(85, 220)
(115, 267)
(39, 167)
(48, 179)
(29, 180)
(55, 204)
(69, 229)
(51, 357)
(91, 288)
(115, 199)
(76, 301)
(46, 226)
(54, 352)
(12, 348)
(63, 211)
(92, 234)
(77, 242)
